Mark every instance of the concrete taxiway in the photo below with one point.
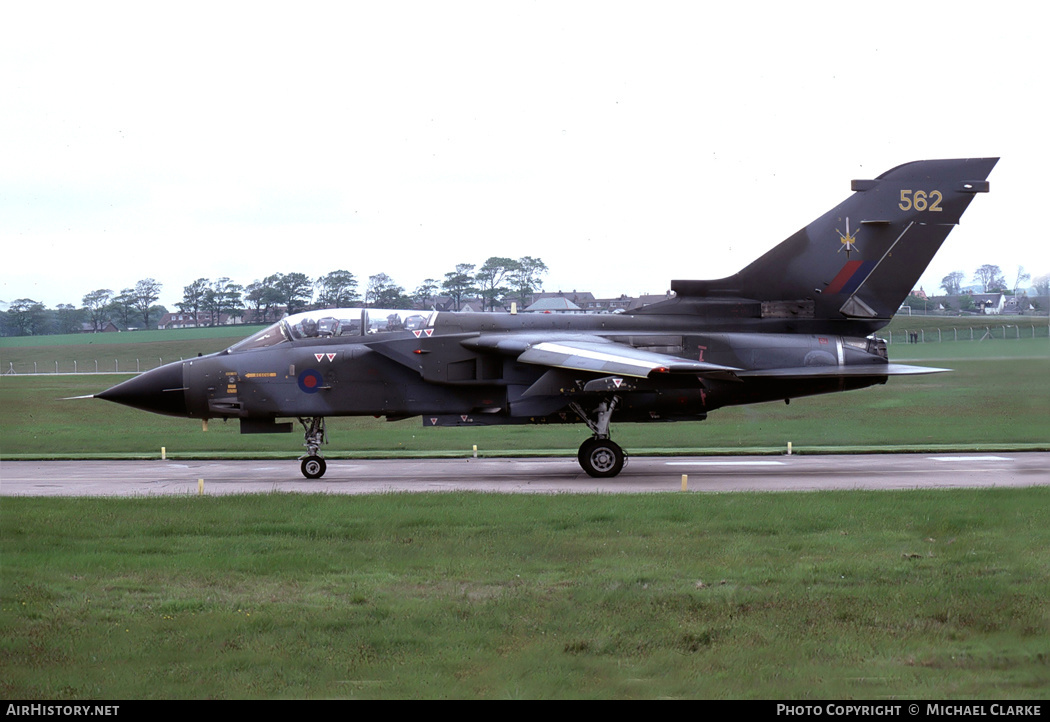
(543, 475)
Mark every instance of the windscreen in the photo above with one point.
(336, 323)
(269, 336)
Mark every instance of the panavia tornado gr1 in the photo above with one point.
(796, 322)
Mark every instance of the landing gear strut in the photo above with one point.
(313, 466)
(599, 456)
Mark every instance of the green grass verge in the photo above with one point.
(918, 594)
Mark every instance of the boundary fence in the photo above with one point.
(1001, 331)
(111, 365)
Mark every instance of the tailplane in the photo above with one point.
(859, 260)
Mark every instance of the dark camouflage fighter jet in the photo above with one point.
(796, 322)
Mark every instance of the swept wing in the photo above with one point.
(594, 354)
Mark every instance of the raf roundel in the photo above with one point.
(310, 381)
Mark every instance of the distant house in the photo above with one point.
(554, 304)
(581, 299)
(466, 303)
(990, 304)
(994, 304)
(107, 327)
(649, 299)
(258, 316)
(1018, 305)
(609, 305)
(180, 319)
(586, 301)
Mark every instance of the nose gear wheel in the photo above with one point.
(313, 466)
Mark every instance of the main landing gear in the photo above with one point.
(599, 456)
(313, 466)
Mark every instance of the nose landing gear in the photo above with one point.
(313, 464)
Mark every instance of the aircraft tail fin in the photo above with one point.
(861, 259)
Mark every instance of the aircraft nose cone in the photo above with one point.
(160, 391)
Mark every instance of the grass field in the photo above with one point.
(131, 338)
(864, 595)
(112, 352)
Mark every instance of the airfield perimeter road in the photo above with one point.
(536, 476)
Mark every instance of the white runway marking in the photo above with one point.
(725, 463)
(968, 458)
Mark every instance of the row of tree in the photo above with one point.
(26, 317)
(496, 281)
(992, 280)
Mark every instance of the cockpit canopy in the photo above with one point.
(337, 323)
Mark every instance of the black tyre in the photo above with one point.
(313, 467)
(585, 449)
(601, 458)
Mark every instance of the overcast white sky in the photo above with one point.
(625, 144)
